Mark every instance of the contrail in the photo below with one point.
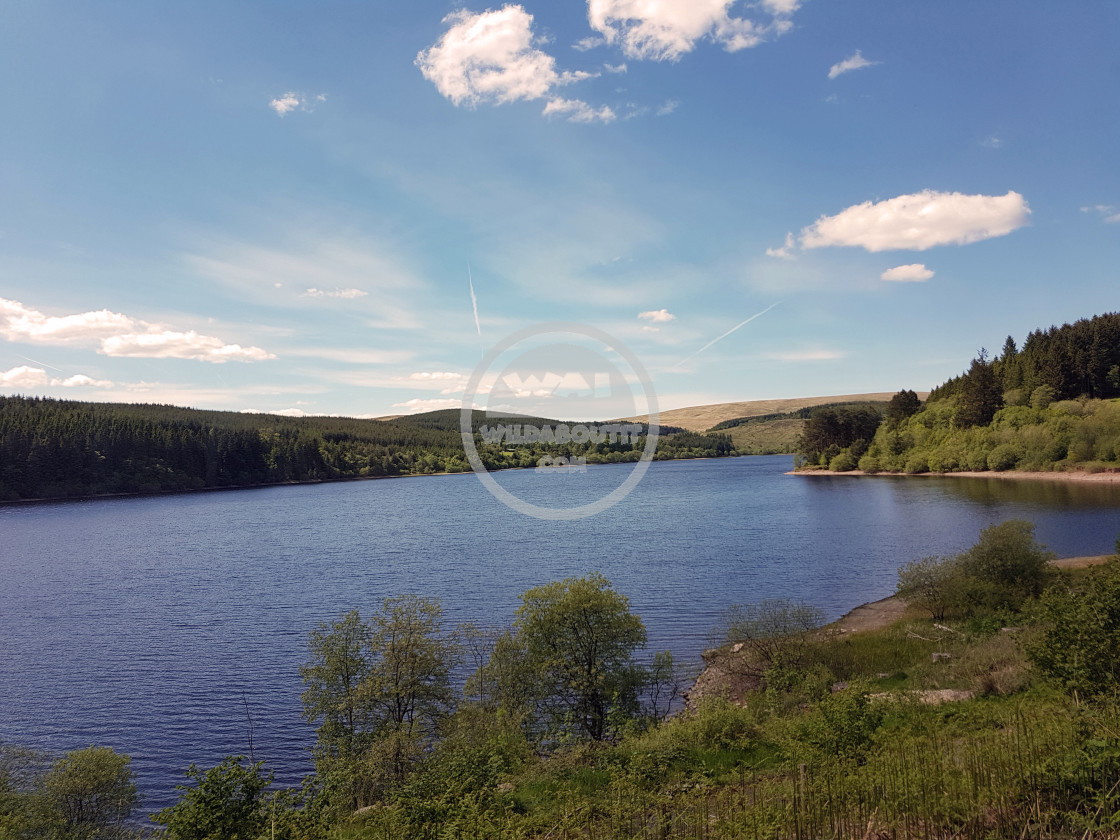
(725, 335)
(44, 364)
(474, 301)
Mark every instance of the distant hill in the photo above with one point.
(701, 418)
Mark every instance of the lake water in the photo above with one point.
(159, 626)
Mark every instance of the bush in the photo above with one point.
(1007, 566)
(1003, 457)
(844, 462)
(1080, 649)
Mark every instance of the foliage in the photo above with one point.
(980, 394)
(933, 583)
(902, 405)
(774, 632)
(1051, 405)
(89, 793)
(1080, 648)
(226, 802)
(1006, 566)
(1004, 570)
(830, 430)
(579, 638)
(380, 689)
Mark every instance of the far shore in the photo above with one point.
(1099, 477)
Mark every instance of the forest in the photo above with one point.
(1051, 405)
(61, 449)
(986, 709)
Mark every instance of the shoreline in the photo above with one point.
(1023, 475)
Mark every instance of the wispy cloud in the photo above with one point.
(1108, 212)
(578, 111)
(292, 101)
(853, 62)
(785, 252)
(805, 355)
(658, 316)
(342, 294)
(919, 221)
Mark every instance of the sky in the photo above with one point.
(341, 207)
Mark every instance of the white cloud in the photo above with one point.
(343, 294)
(117, 335)
(664, 30)
(292, 101)
(24, 377)
(1108, 212)
(169, 344)
(29, 377)
(913, 273)
(785, 252)
(80, 380)
(668, 107)
(19, 323)
(919, 221)
(992, 142)
(417, 405)
(578, 111)
(854, 62)
(490, 58)
(615, 68)
(657, 316)
(589, 43)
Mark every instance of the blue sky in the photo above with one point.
(273, 206)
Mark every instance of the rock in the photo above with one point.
(936, 656)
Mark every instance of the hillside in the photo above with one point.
(1051, 405)
(701, 418)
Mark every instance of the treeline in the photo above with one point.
(1051, 405)
(561, 730)
(59, 449)
(53, 448)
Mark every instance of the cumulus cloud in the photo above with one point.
(169, 344)
(785, 252)
(576, 110)
(658, 316)
(29, 377)
(919, 221)
(854, 62)
(118, 335)
(489, 57)
(342, 294)
(667, 29)
(913, 273)
(292, 101)
(24, 377)
(19, 323)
